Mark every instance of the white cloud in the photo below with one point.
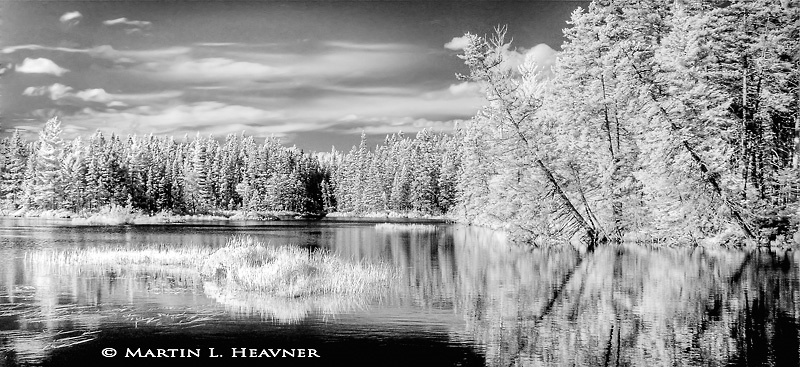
(542, 57)
(127, 22)
(40, 66)
(465, 88)
(117, 104)
(34, 91)
(457, 43)
(94, 95)
(58, 91)
(55, 92)
(71, 18)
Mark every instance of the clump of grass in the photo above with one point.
(290, 271)
(241, 265)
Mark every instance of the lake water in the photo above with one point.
(463, 297)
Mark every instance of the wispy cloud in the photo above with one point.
(217, 44)
(437, 105)
(128, 23)
(40, 66)
(210, 69)
(66, 95)
(12, 49)
(196, 117)
(110, 53)
(329, 87)
(370, 46)
(392, 125)
(71, 19)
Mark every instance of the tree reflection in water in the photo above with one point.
(618, 305)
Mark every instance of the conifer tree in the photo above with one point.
(48, 155)
(13, 173)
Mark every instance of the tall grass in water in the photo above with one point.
(242, 264)
(154, 255)
(290, 271)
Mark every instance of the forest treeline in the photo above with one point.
(156, 174)
(203, 175)
(659, 120)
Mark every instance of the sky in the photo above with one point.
(314, 73)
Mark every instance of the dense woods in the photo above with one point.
(662, 120)
(203, 175)
(156, 174)
(401, 175)
(671, 121)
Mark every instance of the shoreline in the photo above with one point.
(117, 215)
(780, 237)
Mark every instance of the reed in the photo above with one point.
(154, 255)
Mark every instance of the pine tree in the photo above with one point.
(47, 165)
(13, 173)
(73, 177)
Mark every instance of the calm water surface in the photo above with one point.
(463, 298)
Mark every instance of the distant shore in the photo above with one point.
(119, 215)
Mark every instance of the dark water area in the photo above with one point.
(463, 297)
